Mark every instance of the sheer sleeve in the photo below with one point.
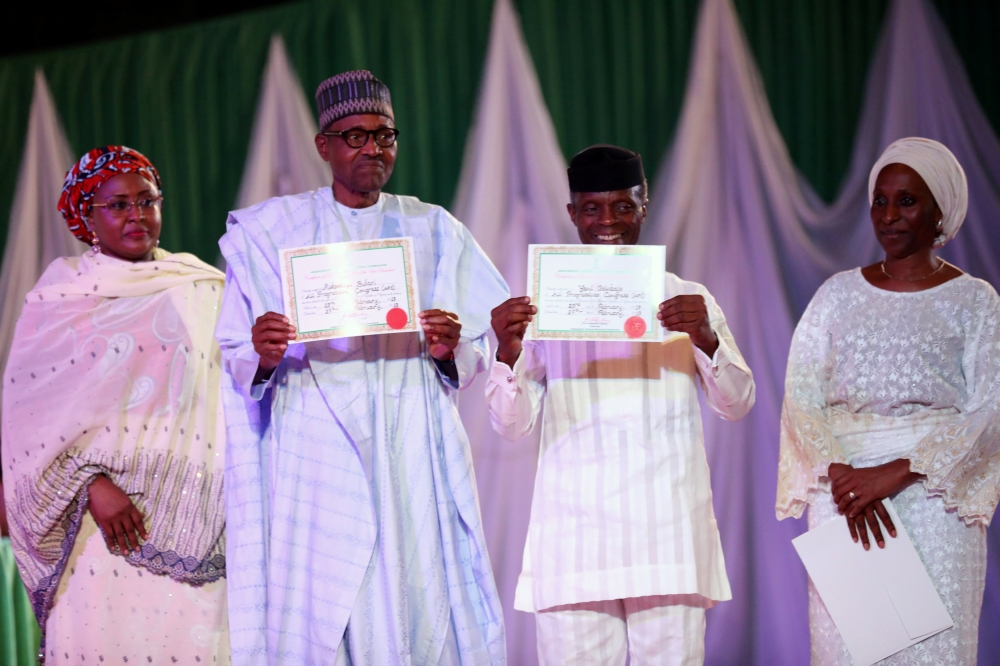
(962, 458)
(807, 444)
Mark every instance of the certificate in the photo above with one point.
(596, 292)
(341, 290)
(881, 600)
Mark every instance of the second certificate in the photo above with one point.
(346, 289)
(596, 292)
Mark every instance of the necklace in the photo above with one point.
(923, 277)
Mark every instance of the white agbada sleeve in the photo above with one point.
(233, 334)
(725, 377)
(514, 395)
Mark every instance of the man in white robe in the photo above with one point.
(623, 553)
(354, 534)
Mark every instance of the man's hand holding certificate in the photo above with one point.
(599, 292)
(595, 292)
(349, 289)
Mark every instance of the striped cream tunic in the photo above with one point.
(622, 503)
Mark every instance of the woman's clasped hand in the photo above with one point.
(859, 492)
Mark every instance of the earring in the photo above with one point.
(95, 245)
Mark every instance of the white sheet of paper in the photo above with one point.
(596, 292)
(881, 600)
(343, 290)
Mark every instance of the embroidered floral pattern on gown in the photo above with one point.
(874, 376)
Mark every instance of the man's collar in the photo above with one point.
(368, 210)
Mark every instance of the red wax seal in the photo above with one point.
(635, 327)
(396, 318)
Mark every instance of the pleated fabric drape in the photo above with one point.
(282, 158)
(610, 71)
(37, 234)
(513, 191)
(186, 97)
(736, 215)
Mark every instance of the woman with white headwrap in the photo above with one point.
(892, 391)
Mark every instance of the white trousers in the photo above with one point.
(668, 630)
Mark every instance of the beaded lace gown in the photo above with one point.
(873, 376)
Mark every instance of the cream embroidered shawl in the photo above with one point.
(114, 370)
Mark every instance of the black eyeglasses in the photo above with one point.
(357, 137)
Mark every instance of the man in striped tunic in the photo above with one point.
(353, 528)
(623, 553)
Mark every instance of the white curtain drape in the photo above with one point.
(512, 191)
(737, 216)
(37, 234)
(282, 158)
(734, 213)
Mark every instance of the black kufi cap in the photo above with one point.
(605, 168)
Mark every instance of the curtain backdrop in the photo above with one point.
(757, 147)
(610, 70)
(512, 192)
(736, 215)
(37, 234)
(186, 97)
(282, 158)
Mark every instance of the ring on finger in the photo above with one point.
(852, 495)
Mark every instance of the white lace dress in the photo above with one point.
(873, 376)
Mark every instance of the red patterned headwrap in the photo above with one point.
(86, 176)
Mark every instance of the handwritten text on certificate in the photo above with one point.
(347, 289)
(596, 292)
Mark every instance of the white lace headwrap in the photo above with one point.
(942, 173)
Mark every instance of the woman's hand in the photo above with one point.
(867, 519)
(116, 515)
(859, 492)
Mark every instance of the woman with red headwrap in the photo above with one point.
(113, 435)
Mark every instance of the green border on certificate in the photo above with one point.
(364, 298)
(622, 306)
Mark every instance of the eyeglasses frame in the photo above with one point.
(369, 135)
(129, 205)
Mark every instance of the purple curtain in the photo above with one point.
(736, 215)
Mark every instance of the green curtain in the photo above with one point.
(974, 25)
(813, 56)
(186, 97)
(615, 70)
(19, 634)
(610, 70)
(15, 99)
